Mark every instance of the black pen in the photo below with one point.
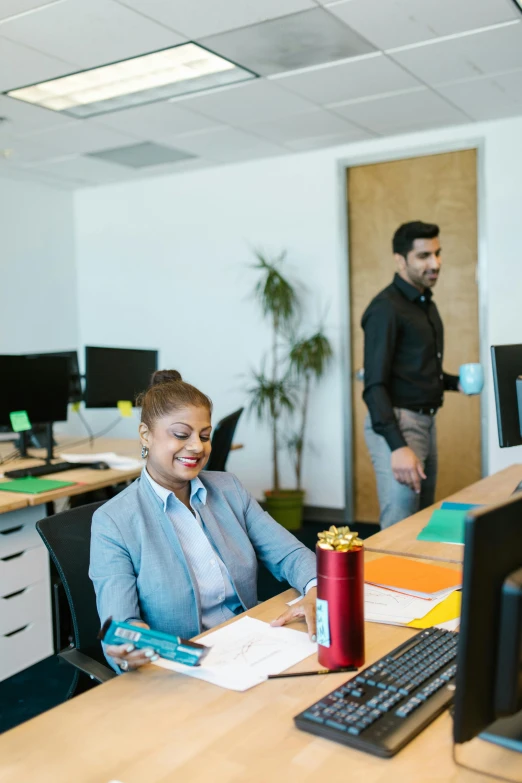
(307, 674)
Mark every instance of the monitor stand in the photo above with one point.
(30, 439)
(23, 442)
(506, 732)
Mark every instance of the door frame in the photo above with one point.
(415, 151)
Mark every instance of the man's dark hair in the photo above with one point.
(406, 235)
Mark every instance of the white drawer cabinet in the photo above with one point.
(20, 650)
(25, 592)
(18, 534)
(24, 606)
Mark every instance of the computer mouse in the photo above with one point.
(99, 466)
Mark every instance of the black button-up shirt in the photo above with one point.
(403, 350)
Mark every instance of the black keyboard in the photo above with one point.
(57, 467)
(389, 703)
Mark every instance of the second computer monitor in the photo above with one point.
(506, 361)
(116, 374)
(75, 384)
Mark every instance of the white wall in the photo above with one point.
(165, 263)
(38, 310)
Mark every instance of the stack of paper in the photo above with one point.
(113, 460)
(403, 591)
(446, 525)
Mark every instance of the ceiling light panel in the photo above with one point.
(151, 77)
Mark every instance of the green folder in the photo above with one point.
(33, 486)
(446, 526)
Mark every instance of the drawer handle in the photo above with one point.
(11, 557)
(12, 595)
(11, 530)
(18, 630)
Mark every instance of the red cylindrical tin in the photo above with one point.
(340, 582)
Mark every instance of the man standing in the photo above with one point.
(404, 382)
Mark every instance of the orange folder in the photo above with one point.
(407, 575)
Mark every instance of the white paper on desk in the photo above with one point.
(113, 460)
(244, 653)
(389, 606)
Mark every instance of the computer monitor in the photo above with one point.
(39, 386)
(75, 383)
(489, 661)
(114, 374)
(506, 362)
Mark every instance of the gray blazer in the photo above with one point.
(139, 570)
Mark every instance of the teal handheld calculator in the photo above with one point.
(173, 648)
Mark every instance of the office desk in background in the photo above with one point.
(157, 726)
(26, 628)
(401, 539)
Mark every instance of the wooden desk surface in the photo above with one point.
(156, 726)
(401, 539)
(86, 479)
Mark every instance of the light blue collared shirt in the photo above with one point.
(218, 598)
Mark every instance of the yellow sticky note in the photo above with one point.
(75, 407)
(125, 407)
(449, 609)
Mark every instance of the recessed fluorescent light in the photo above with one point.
(151, 77)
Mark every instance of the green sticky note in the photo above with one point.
(445, 526)
(33, 486)
(125, 407)
(20, 421)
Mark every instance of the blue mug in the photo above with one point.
(471, 378)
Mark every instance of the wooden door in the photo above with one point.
(438, 189)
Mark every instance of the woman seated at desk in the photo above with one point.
(177, 551)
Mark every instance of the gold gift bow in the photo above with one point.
(339, 539)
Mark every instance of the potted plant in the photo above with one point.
(284, 389)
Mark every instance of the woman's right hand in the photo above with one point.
(128, 655)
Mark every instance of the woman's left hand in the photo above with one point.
(303, 608)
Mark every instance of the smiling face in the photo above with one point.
(179, 446)
(421, 267)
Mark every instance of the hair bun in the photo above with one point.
(165, 376)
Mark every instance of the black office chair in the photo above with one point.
(67, 536)
(222, 441)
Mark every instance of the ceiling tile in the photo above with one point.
(225, 145)
(20, 65)
(333, 140)
(12, 7)
(291, 42)
(402, 113)
(371, 75)
(494, 50)
(312, 125)
(155, 121)
(487, 98)
(23, 118)
(401, 22)
(247, 103)
(89, 33)
(89, 170)
(208, 17)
